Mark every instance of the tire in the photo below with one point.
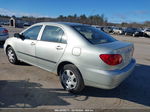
(12, 56)
(71, 79)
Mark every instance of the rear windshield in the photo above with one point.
(94, 35)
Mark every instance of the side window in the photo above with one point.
(52, 34)
(32, 33)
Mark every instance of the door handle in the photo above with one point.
(32, 43)
(59, 48)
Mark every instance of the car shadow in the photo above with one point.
(136, 88)
(24, 94)
(23, 64)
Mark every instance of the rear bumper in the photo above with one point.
(108, 79)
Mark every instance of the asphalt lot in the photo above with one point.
(26, 86)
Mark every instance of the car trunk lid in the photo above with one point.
(125, 49)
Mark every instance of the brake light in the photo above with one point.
(5, 31)
(111, 59)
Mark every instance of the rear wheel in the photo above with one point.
(71, 78)
(12, 56)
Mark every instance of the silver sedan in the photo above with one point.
(80, 54)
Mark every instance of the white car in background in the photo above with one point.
(117, 30)
(147, 32)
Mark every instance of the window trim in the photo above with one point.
(30, 28)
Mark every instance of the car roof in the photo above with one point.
(60, 23)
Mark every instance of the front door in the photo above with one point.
(26, 46)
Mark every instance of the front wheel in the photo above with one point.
(71, 78)
(12, 56)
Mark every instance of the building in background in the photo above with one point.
(16, 22)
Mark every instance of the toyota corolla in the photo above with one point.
(80, 54)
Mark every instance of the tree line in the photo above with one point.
(97, 19)
(92, 20)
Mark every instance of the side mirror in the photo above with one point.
(18, 35)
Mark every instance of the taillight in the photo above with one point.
(111, 59)
(5, 31)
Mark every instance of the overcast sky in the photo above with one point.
(114, 10)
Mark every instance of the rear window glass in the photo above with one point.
(94, 35)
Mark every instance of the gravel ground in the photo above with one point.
(26, 86)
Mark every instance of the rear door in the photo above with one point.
(50, 47)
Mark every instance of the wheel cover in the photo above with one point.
(69, 79)
(11, 55)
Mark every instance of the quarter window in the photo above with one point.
(32, 33)
(52, 34)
